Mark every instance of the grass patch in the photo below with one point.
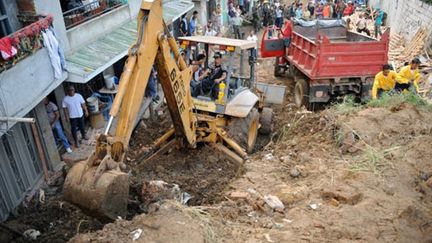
(347, 106)
(391, 101)
(388, 101)
(287, 130)
(373, 160)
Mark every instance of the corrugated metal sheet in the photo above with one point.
(94, 58)
(20, 167)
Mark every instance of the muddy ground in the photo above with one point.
(360, 175)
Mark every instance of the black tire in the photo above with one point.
(277, 69)
(301, 93)
(292, 71)
(245, 130)
(266, 121)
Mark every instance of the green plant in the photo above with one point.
(427, 1)
(373, 160)
(347, 106)
(391, 101)
(289, 127)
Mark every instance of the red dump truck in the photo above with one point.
(326, 60)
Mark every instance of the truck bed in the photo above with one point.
(336, 53)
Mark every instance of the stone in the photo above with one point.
(290, 196)
(213, 159)
(294, 172)
(239, 195)
(274, 202)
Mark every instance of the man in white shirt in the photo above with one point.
(362, 25)
(253, 37)
(75, 108)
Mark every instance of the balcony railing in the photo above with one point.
(26, 41)
(89, 11)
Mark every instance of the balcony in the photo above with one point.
(86, 12)
(26, 41)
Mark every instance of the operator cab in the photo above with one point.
(240, 83)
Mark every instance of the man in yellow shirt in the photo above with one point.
(384, 82)
(408, 76)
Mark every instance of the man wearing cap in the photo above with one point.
(408, 76)
(218, 73)
(75, 108)
(384, 82)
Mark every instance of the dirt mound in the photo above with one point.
(171, 223)
(382, 127)
(377, 192)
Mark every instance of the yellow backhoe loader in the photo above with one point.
(99, 184)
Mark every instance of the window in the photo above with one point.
(5, 27)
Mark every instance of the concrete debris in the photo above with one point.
(157, 190)
(32, 234)
(268, 239)
(288, 220)
(294, 172)
(314, 206)
(136, 234)
(268, 157)
(239, 195)
(274, 202)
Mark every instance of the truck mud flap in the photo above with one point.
(319, 93)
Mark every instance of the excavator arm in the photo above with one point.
(98, 184)
(155, 45)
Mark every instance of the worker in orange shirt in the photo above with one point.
(327, 11)
(384, 82)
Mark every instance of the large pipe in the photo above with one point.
(17, 119)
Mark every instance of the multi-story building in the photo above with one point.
(95, 36)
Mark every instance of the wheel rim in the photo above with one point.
(298, 96)
(252, 135)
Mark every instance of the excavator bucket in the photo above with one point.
(103, 193)
(97, 184)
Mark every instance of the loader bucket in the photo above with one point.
(105, 197)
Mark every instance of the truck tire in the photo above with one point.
(301, 93)
(266, 121)
(245, 130)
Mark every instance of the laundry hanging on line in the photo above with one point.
(7, 50)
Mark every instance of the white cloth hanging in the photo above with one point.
(52, 45)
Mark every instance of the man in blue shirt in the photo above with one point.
(378, 21)
(193, 23)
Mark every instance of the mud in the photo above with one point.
(56, 220)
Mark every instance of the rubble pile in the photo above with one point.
(401, 51)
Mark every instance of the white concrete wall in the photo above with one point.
(24, 86)
(134, 7)
(11, 11)
(94, 28)
(406, 16)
